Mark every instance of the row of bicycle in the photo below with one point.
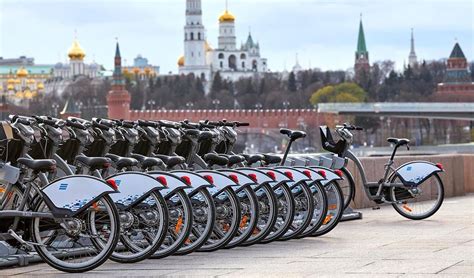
(80, 192)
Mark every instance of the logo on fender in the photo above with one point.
(63, 186)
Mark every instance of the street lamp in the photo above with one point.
(286, 104)
(216, 103)
(259, 106)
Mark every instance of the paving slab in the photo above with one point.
(381, 244)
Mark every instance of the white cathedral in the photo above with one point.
(203, 61)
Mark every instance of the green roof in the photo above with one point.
(361, 47)
(39, 69)
(457, 52)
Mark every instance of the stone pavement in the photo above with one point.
(382, 244)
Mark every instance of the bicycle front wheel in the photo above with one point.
(335, 209)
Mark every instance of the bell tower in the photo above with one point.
(361, 55)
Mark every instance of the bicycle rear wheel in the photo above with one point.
(347, 186)
(418, 202)
(227, 220)
(204, 217)
(143, 229)
(285, 213)
(320, 209)
(68, 244)
(249, 217)
(304, 208)
(179, 225)
(334, 211)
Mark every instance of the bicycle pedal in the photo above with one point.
(25, 244)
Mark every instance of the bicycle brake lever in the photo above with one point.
(408, 147)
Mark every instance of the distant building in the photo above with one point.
(412, 59)
(22, 80)
(65, 73)
(361, 65)
(118, 98)
(457, 86)
(230, 61)
(141, 68)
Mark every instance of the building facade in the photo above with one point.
(141, 69)
(230, 61)
(118, 98)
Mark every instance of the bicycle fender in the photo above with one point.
(219, 180)
(70, 195)
(258, 176)
(133, 186)
(330, 175)
(173, 183)
(239, 177)
(277, 176)
(196, 181)
(416, 172)
(296, 174)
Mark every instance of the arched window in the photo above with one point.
(232, 62)
(243, 65)
(243, 56)
(199, 36)
(192, 36)
(222, 64)
(221, 55)
(254, 65)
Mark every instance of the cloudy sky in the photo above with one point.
(322, 32)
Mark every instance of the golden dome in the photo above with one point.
(19, 94)
(10, 87)
(28, 94)
(22, 72)
(227, 17)
(181, 61)
(1, 88)
(125, 70)
(208, 46)
(40, 86)
(136, 70)
(17, 81)
(147, 70)
(11, 81)
(76, 52)
(30, 81)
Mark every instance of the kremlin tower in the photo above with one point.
(118, 99)
(361, 55)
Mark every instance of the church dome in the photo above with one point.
(40, 86)
(10, 87)
(11, 81)
(181, 61)
(17, 81)
(76, 52)
(22, 72)
(227, 17)
(136, 70)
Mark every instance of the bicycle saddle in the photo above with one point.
(215, 159)
(271, 159)
(233, 159)
(94, 162)
(251, 159)
(40, 165)
(398, 141)
(293, 134)
(206, 135)
(171, 161)
(147, 162)
(122, 162)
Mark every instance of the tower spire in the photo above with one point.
(361, 55)
(412, 59)
(361, 46)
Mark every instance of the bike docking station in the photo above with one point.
(329, 161)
